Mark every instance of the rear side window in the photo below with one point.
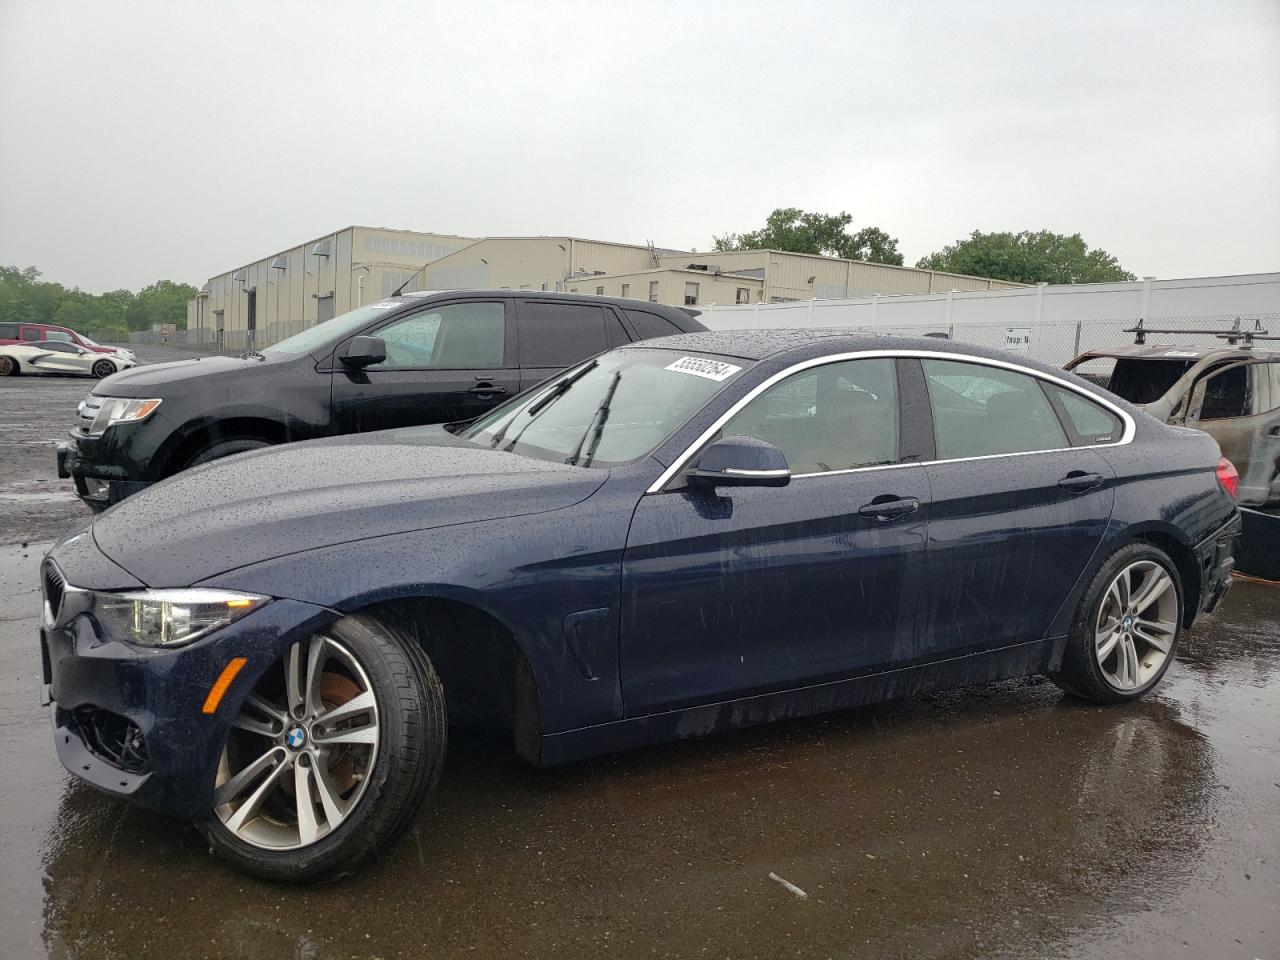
(981, 411)
(559, 334)
(8, 331)
(1092, 422)
(31, 333)
(649, 325)
(1228, 394)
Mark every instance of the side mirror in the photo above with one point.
(364, 351)
(741, 462)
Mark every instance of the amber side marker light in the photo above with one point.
(219, 688)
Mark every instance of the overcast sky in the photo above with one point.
(179, 140)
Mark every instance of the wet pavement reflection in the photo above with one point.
(1003, 821)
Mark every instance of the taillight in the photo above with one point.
(1228, 477)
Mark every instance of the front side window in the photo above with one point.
(456, 336)
(840, 416)
(325, 333)
(60, 335)
(613, 409)
(981, 411)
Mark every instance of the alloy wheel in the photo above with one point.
(301, 750)
(1137, 624)
(103, 368)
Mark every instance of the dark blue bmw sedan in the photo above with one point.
(673, 538)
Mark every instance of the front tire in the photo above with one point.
(1126, 630)
(332, 754)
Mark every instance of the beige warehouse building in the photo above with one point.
(276, 296)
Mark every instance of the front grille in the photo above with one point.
(113, 739)
(87, 412)
(55, 589)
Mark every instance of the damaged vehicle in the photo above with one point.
(1231, 391)
(673, 538)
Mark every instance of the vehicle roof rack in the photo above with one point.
(1233, 336)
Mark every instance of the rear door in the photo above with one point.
(555, 334)
(1018, 506)
(1239, 406)
(445, 362)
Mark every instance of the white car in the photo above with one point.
(54, 356)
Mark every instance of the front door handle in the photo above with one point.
(487, 390)
(888, 507)
(1079, 480)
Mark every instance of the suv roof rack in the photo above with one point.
(1233, 336)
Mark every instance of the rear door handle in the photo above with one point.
(487, 390)
(1079, 480)
(887, 508)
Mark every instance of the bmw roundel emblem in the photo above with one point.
(296, 737)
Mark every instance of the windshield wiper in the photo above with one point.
(555, 393)
(596, 427)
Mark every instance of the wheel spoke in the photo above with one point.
(332, 812)
(1123, 589)
(249, 809)
(316, 657)
(237, 784)
(308, 829)
(1107, 644)
(363, 703)
(1129, 655)
(267, 708)
(366, 736)
(293, 678)
(1156, 633)
(263, 728)
(1152, 590)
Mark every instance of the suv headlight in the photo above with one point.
(168, 618)
(121, 410)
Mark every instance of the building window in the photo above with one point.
(626, 290)
(653, 291)
(599, 291)
(744, 295)
(690, 294)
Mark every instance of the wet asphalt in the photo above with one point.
(1005, 821)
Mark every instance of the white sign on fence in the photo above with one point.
(1017, 339)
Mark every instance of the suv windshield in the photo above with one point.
(334, 329)
(610, 410)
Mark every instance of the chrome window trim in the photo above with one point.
(738, 472)
(680, 462)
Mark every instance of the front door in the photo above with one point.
(737, 591)
(1016, 513)
(445, 362)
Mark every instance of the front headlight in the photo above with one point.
(121, 410)
(167, 618)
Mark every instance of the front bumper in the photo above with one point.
(1216, 558)
(94, 483)
(128, 719)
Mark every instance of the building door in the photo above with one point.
(251, 318)
(324, 308)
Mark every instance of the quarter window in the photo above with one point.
(458, 336)
(981, 411)
(1092, 422)
(840, 416)
(651, 325)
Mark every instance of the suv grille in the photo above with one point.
(55, 589)
(87, 413)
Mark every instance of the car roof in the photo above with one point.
(1178, 351)
(682, 316)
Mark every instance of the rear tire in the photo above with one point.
(1126, 629)
(371, 792)
(9, 367)
(103, 368)
(225, 448)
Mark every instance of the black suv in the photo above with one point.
(414, 359)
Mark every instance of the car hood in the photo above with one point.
(266, 504)
(153, 379)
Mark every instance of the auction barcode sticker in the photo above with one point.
(710, 369)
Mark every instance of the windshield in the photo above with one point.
(611, 410)
(335, 329)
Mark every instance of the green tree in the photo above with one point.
(161, 302)
(798, 231)
(25, 298)
(1027, 257)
